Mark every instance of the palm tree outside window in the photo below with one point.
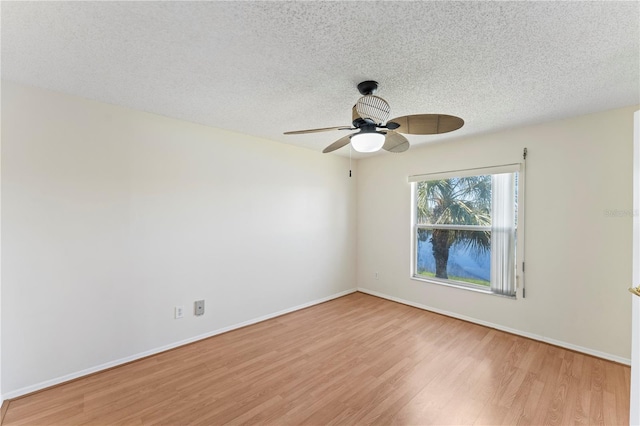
(465, 229)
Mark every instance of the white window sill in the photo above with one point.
(460, 285)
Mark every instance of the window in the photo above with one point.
(465, 227)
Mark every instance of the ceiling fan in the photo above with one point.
(369, 116)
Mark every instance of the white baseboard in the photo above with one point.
(58, 380)
(544, 339)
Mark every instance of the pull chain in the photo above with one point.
(350, 160)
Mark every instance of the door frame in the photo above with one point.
(634, 408)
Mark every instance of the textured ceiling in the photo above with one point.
(262, 68)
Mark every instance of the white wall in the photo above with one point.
(111, 217)
(578, 262)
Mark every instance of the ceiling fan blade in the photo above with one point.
(373, 107)
(428, 124)
(395, 142)
(338, 144)
(324, 129)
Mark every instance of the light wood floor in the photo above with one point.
(355, 360)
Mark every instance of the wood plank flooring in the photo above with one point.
(354, 360)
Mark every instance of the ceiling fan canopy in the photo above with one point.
(370, 117)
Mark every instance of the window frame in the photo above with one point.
(518, 168)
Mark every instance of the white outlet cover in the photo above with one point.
(179, 312)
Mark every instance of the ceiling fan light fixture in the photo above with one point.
(367, 141)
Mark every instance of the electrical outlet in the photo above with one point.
(179, 313)
(198, 307)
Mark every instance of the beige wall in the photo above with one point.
(578, 259)
(111, 217)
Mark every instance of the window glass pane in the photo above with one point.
(455, 255)
(454, 201)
